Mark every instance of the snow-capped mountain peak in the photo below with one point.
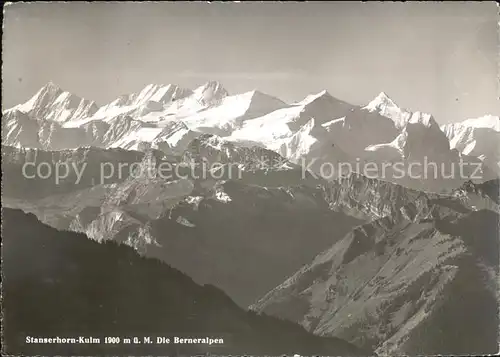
(152, 98)
(422, 118)
(52, 103)
(168, 117)
(385, 106)
(486, 122)
(258, 95)
(49, 87)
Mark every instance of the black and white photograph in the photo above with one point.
(313, 178)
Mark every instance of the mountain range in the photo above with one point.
(380, 262)
(317, 130)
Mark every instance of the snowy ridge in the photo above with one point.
(52, 103)
(393, 149)
(476, 137)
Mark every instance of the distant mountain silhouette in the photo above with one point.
(59, 283)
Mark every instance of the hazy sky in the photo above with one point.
(441, 58)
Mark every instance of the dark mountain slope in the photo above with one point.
(59, 283)
(426, 284)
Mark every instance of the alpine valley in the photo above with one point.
(345, 263)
